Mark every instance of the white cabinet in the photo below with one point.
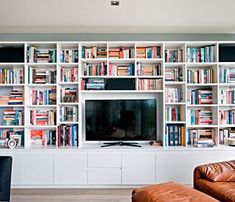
(70, 168)
(173, 166)
(36, 168)
(104, 168)
(138, 167)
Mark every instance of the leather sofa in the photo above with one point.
(216, 180)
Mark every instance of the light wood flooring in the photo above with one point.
(71, 195)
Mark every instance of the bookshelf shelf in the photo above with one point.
(174, 69)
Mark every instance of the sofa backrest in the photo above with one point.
(218, 172)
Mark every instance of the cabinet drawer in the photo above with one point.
(104, 160)
(104, 176)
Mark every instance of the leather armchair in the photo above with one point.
(5, 177)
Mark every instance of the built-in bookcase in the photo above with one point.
(42, 89)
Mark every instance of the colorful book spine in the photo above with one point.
(150, 84)
(174, 55)
(201, 54)
(175, 135)
(67, 135)
(148, 69)
(69, 74)
(200, 76)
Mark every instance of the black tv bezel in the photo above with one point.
(104, 141)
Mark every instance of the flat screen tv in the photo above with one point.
(120, 120)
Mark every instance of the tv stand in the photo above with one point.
(132, 144)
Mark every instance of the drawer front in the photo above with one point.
(104, 160)
(104, 176)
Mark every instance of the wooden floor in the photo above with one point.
(71, 195)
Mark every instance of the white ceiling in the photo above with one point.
(132, 16)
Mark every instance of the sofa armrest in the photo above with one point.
(196, 176)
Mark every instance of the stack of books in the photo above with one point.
(201, 54)
(174, 74)
(203, 142)
(200, 116)
(40, 76)
(68, 135)
(69, 94)
(200, 134)
(43, 137)
(121, 69)
(148, 69)
(15, 76)
(148, 52)
(98, 69)
(68, 56)
(94, 52)
(69, 74)
(12, 117)
(122, 52)
(226, 133)
(4, 99)
(93, 84)
(43, 117)
(44, 97)
(69, 114)
(174, 55)
(174, 135)
(16, 134)
(201, 96)
(16, 97)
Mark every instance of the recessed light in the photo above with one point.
(115, 3)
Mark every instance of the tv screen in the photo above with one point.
(120, 120)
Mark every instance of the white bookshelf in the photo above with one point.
(59, 65)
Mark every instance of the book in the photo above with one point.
(148, 69)
(43, 117)
(174, 74)
(174, 113)
(121, 69)
(201, 54)
(69, 56)
(69, 114)
(200, 116)
(69, 74)
(175, 135)
(173, 95)
(11, 76)
(227, 116)
(150, 84)
(121, 52)
(95, 69)
(148, 52)
(203, 75)
(201, 96)
(69, 94)
(43, 97)
(94, 52)
(16, 134)
(41, 76)
(43, 137)
(227, 74)
(12, 117)
(174, 55)
(67, 135)
(37, 55)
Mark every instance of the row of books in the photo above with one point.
(36, 55)
(12, 117)
(43, 137)
(16, 134)
(11, 76)
(68, 114)
(227, 116)
(201, 54)
(93, 84)
(174, 74)
(150, 84)
(201, 96)
(69, 74)
(227, 96)
(94, 52)
(148, 52)
(69, 94)
(201, 137)
(98, 69)
(121, 69)
(174, 135)
(200, 116)
(200, 76)
(68, 56)
(149, 69)
(41, 76)
(68, 135)
(122, 52)
(174, 55)
(226, 133)
(174, 95)
(174, 113)
(44, 97)
(227, 74)
(43, 117)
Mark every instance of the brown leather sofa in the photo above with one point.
(169, 192)
(216, 180)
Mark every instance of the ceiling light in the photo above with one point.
(115, 3)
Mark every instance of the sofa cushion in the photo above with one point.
(223, 191)
(172, 192)
(219, 172)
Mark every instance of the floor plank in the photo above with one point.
(71, 195)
